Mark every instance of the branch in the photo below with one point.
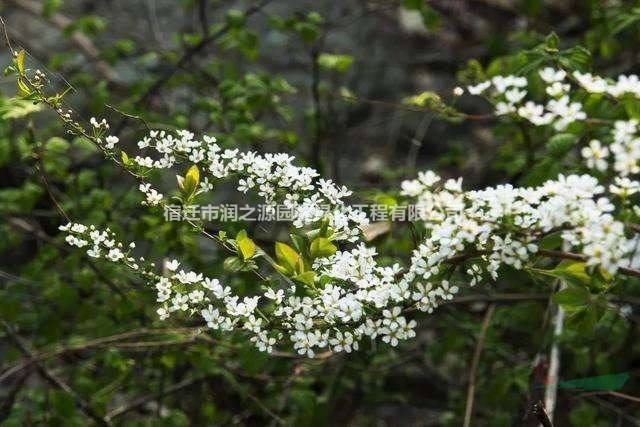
(140, 401)
(53, 379)
(42, 173)
(494, 298)
(612, 393)
(613, 408)
(119, 341)
(22, 225)
(108, 341)
(456, 259)
(12, 394)
(577, 257)
(474, 365)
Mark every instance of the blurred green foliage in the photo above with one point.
(94, 326)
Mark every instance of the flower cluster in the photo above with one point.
(624, 144)
(334, 317)
(359, 298)
(352, 296)
(274, 176)
(500, 225)
(510, 93)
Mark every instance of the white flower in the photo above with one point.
(361, 297)
(551, 75)
(503, 108)
(596, 155)
(513, 96)
(590, 83)
(111, 142)
(172, 265)
(558, 89)
(343, 342)
(625, 84)
(479, 88)
(276, 296)
(624, 187)
(531, 111)
(115, 254)
(188, 277)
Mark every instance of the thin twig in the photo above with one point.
(456, 259)
(268, 411)
(102, 342)
(614, 408)
(469, 299)
(11, 395)
(474, 365)
(53, 379)
(140, 401)
(7, 40)
(129, 115)
(43, 174)
(612, 393)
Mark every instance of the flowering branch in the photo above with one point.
(335, 291)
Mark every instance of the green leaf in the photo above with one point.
(306, 278)
(340, 63)
(552, 41)
(298, 242)
(572, 297)
(233, 264)
(546, 169)
(307, 31)
(246, 246)
(282, 269)
(322, 247)
(17, 108)
(235, 18)
(424, 99)
(584, 320)
(49, 7)
(63, 403)
(57, 145)
(572, 271)
(24, 91)
(287, 257)
(632, 108)
(559, 145)
(551, 241)
(576, 58)
(18, 61)
(191, 182)
(324, 228)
